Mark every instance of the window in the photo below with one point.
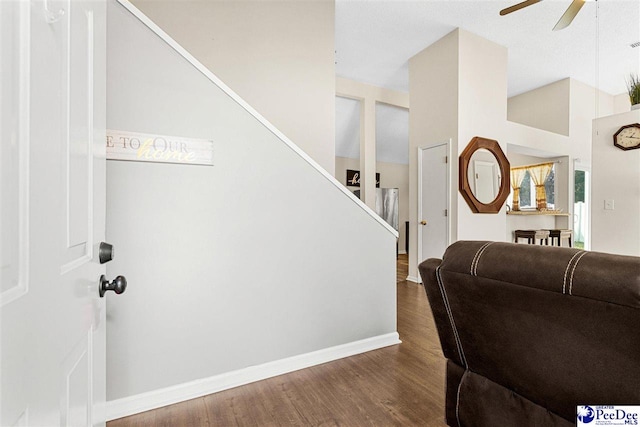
(528, 190)
(550, 188)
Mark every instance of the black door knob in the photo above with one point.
(105, 252)
(118, 285)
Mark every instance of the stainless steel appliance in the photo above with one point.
(386, 205)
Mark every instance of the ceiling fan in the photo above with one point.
(564, 21)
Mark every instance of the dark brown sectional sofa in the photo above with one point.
(530, 332)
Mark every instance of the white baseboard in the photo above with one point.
(178, 393)
(402, 252)
(413, 279)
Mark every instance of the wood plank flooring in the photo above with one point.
(402, 385)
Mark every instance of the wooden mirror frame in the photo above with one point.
(493, 147)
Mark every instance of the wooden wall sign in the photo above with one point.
(145, 147)
(353, 178)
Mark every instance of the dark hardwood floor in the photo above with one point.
(402, 385)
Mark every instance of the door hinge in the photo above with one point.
(446, 159)
(446, 212)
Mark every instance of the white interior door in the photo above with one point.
(485, 181)
(433, 201)
(53, 205)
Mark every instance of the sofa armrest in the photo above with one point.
(439, 308)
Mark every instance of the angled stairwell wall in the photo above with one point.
(279, 56)
(256, 266)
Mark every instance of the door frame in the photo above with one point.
(421, 150)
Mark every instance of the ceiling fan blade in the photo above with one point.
(569, 14)
(518, 6)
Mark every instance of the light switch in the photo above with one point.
(609, 205)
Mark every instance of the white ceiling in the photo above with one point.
(376, 38)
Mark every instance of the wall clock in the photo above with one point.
(627, 137)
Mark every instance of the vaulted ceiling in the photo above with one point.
(375, 39)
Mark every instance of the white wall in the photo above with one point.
(586, 104)
(458, 90)
(545, 108)
(392, 175)
(433, 88)
(482, 111)
(621, 103)
(557, 118)
(616, 177)
(277, 55)
(252, 261)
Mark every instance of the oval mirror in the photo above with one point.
(484, 175)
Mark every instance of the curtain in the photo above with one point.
(539, 174)
(517, 175)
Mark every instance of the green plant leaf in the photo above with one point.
(633, 86)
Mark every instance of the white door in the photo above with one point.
(485, 181)
(433, 201)
(52, 92)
